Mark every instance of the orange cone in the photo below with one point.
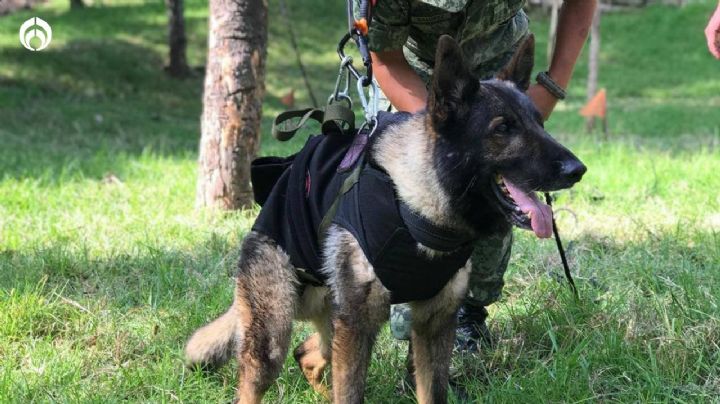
(288, 99)
(596, 107)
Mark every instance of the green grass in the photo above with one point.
(106, 267)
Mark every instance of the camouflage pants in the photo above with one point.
(489, 262)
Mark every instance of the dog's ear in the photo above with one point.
(453, 87)
(520, 67)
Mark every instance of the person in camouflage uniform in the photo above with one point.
(402, 38)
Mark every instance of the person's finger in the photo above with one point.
(712, 33)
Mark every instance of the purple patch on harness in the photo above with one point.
(354, 152)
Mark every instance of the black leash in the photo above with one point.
(561, 250)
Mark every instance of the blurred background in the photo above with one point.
(106, 265)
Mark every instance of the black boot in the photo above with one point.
(471, 331)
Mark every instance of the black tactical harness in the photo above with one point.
(371, 212)
(314, 190)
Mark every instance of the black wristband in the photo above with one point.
(544, 79)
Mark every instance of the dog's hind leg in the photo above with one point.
(313, 355)
(266, 297)
(257, 327)
(433, 332)
(361, 306)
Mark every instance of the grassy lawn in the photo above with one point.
(106, 267)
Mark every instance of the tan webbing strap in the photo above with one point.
(336, 118)
(284, 128)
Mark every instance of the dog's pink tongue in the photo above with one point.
(540, 213)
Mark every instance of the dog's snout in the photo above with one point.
(573, 170)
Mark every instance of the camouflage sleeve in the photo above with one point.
(390, 24)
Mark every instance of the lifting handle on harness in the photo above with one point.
(337, 117)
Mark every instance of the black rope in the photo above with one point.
(561, 250)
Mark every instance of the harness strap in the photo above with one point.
(283, 129)
(338, 119)
(431, 235)
(422, 230)
(335, 118)
(347, 184)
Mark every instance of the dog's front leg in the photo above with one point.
(433, 332)
(361, 306)
(352, 347)
(432, 350)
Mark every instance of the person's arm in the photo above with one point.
(572, 31)
(401, 85)
(388, 33)
(712, 33)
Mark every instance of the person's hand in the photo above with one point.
(712, 33)
(543, 100)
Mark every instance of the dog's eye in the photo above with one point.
(502, 129)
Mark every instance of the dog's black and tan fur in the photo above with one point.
(443, 163)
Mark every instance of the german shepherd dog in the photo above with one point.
(471, 161)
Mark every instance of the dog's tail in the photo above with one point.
(212, 345)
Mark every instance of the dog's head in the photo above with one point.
(491, 146)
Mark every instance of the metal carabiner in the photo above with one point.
(369, 125)
(369, 108)
(375, 98)
(343, 95)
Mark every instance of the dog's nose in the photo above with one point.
(572, 169)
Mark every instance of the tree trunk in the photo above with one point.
(593, 63)
(177, 40)
(75, 4)
(232, 102)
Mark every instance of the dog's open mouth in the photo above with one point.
(524, 209)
